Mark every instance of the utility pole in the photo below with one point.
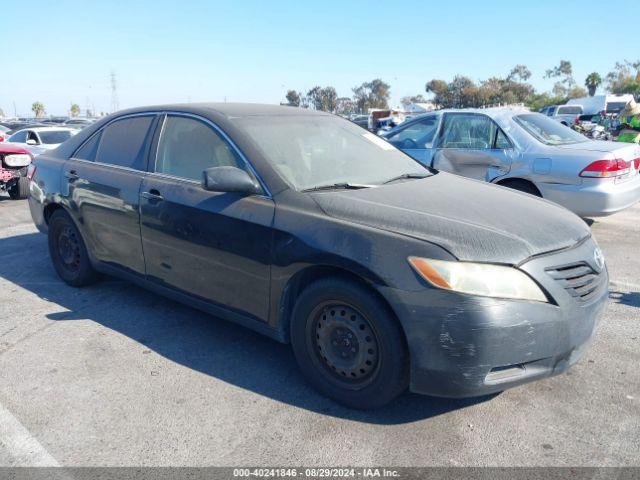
(114, 92)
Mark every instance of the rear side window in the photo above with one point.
(89, 149)
(19, 137)
(123, 142)
(187, 147)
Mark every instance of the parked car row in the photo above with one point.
(382, 272)
(526, 151)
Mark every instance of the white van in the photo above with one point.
(599, 103)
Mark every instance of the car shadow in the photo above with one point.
(631, 299)
(194, 339)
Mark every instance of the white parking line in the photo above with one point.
(25, 450)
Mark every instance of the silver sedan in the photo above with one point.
(526, 151)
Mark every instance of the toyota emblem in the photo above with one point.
(598, 258)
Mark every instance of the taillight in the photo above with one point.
(606, 168)
(636, 163)
(577, 120)
(31, 170)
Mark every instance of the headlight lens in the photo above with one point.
(478, 279)
(17, 160)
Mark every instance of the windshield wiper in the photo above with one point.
(338, 186)
(407, 175)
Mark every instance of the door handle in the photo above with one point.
(153, 195)
(72, 175)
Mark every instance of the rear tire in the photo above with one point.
(522, 186)
(348, 344)
(68, 251)
(20, 189)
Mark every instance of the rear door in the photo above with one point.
(213, 245)
(103, 180)
(472, 145)
(416, 138)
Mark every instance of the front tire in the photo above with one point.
(68, 251)
(20, 189)
(348, 344)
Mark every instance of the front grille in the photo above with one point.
(579, 279)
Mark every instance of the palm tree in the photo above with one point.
(74, 110)
(38, 109)
(592, 83)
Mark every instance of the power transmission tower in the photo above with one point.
(114, 92)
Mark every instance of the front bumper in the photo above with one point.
(463, 346)
(594, 198)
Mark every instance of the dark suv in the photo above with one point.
(382, 273)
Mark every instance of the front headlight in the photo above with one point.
(17, 160)
(478, 279)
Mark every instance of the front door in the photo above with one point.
(103, 185)
(216, 246)
(416, 138)
(472, 145)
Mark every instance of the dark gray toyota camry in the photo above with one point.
(382, 274)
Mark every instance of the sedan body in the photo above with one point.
(40, 139)
(383, 274)
(526, 151)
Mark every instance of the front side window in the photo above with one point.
(187, 147)
(312, 150)
(548, 131)
(417, 135)
(468, 131)
(123, 142)
(32, 136)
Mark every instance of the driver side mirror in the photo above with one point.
(229, 179)
(31, 141)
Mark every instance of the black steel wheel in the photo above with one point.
(68, 251)
(348, 343)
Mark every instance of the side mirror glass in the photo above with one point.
(229, 179)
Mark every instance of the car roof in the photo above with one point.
(47, 129)
(230, 110)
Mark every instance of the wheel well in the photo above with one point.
(306, 277)
(513, 182)
(49, 209)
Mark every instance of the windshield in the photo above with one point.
(570, 110)
(615, 107)
(311, 151)
(549, 132)
(54, 137)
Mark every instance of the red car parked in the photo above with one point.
(14, 164)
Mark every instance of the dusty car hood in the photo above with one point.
(473, 220)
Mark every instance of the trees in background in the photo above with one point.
(463, 91)
(293, 98)
(373, 94)
(592, 82)
(625, 78)
(38, 109)
(74, 110)
(324, 99)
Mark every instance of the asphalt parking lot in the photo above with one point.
(114, 375)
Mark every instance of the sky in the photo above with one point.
(64, 51)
